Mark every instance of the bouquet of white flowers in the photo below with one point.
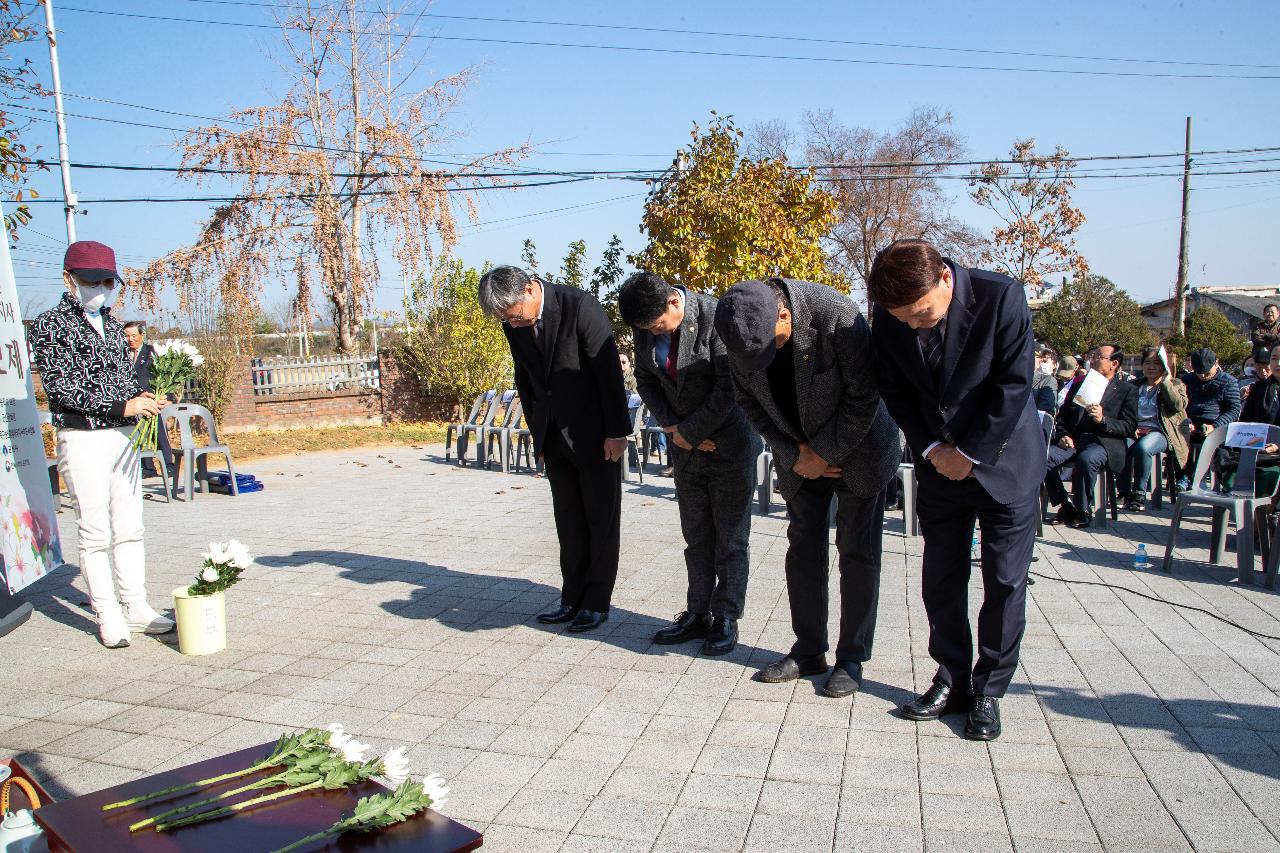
(174, 365)
(223, 563)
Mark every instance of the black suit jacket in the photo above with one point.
(142, 365)
(700, 400)
(983, 403)
(1119, 420)
(575, 384)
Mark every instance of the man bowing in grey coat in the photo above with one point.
(802, 371)
(682, 374)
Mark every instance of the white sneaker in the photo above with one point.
(113, 632)
(143, 617)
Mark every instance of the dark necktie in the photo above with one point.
(673, 350)
(931, 349)
(537, 335)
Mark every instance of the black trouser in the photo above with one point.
(1087, 459)
(587, 500)
(947, 513)
(714, 491)
(858, 523)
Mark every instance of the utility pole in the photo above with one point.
(63, 158)
(1180, 289)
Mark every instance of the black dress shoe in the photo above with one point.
(845, 679)
(587, 620)
(939, 699)
(789, 669)
(1065, 515)
(563, 613)
(984, 718)
(1082, 522)
(723, 637)
(688, 626)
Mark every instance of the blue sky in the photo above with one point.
(584, 108)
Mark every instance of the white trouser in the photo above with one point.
(101, 472)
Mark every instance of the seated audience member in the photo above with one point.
(1266, 332)
(1068, 372)
(1213, 401)
(1262, 407)
(1044, 387)
(1254, 367)
(1162, 407)
(1089, 437)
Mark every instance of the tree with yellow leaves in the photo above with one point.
(718, 217)
(1032, 197)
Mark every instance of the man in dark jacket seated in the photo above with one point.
(1089, 437)
(1213, 402)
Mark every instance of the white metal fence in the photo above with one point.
(292, 375)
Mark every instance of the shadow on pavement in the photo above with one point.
(468, 601)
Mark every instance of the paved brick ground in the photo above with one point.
(395, 594)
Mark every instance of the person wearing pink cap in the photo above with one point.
(95, 401)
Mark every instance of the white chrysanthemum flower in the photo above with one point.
(162, 348)
(238, 554)
(345, 745)
(217, 553)
(210, 575)
(395, 766)
(197, 359)
(433, 786)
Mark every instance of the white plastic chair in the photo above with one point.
(195, 458)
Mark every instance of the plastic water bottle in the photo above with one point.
(973, 549)
(1140, 562)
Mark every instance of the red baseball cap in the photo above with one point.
(91, 261)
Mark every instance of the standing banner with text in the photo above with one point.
(28, 520)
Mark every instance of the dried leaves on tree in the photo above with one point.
(1032, 198)
(337, 169)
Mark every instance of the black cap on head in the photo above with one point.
(1261, 353)
(746, 320)
(1203, 360)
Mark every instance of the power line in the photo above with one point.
(668, 51)
(770, 37)
(884, 164)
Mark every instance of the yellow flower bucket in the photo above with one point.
(202, 622)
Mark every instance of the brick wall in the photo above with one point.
(398, 399)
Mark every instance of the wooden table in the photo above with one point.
(80, 826)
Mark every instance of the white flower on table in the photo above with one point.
(348, 747)
(433, 786)
(395, 766)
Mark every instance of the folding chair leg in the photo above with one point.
(911, 521)
(1244, 544)
(1218, 534)
(1264, 534)
(1167, 564)
(231, 469)
(1272, 564)
(448, 440)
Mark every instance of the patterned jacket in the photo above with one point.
(88, 377)
(841, 414)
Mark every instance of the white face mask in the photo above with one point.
(95, 297)
(1047, 368)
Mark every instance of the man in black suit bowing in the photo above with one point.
(1092, 436)
(955, 355)
(571, 387)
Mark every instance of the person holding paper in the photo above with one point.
(1096, 419)
(1162, 406)
(1213, 401)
